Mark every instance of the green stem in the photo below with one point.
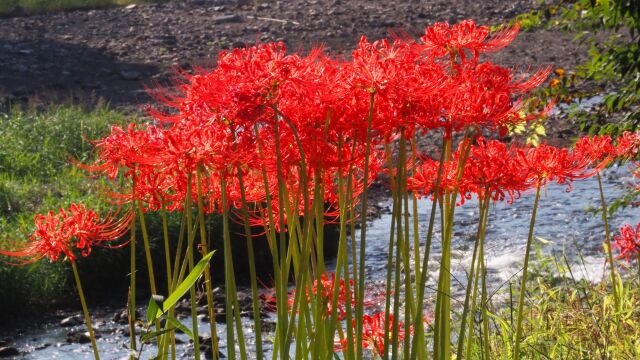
(443, 300)
(169, 338)
(132, 290)
(614, 283)
(523, 284)
(147, 250)
(85, 311)
(228, 271)
(363, 232)
(207, 271)
(483, 211)
(419, 344)
(390, 253)
(252, 269)
(190, 257)
(485, 316)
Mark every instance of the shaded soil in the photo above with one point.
(114, 54)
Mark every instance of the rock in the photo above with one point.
(244, 301)
(7, 351)
(202, 310)
(42, 346)
(208, 352)
(130, 75)
(205, 338)
(79, 337)
(73, 320)
(221, 317)
(268, 326)
(122, 316)
(224, 19)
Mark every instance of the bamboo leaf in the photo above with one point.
(185, 285)
(178, 325)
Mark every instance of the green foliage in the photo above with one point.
(611, 30)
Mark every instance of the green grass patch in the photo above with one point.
(36, 176)
(40, 6)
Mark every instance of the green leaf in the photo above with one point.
(153, 307)
(543, 240)
(154, 334)
(185, 285)
(178, 325)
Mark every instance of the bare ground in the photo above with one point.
(114, 54)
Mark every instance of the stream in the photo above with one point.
(563, 224)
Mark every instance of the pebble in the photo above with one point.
(7, 351)
(224, 19)
(73, 320)
(130, 75)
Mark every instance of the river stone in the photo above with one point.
(208, 352)
(79, 337)
(73, 320)
(42, 346)
(130, 74)
(7, 351)
(122, 316)
(268, 326)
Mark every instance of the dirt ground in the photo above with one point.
(114, 54)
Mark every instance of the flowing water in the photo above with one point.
(563, 226)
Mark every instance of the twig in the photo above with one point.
(273, 19)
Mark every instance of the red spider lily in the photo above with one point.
(126, 149)
(599, 150)
(546, 163)
(374, 332)
(403, 80)
(323, 290)
(483, 95)
(58, 233)
(628, 145)
(492, 170)
(424, 179)
(442, 39)
(628, 242)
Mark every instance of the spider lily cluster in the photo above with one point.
(289, 142)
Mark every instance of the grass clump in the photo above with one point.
(566, 317)
(41, 6)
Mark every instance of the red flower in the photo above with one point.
(58, 233)
(599, 150)
(628, 242)
(492, 170)
(323, 290)
(374, 332)
(442, 39)
(546, 163)
(628, 146)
